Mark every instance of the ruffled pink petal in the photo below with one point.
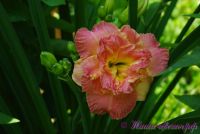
(107, 81)
(142, 60)
(160, 56)
(91, 67)
(118, 106)
(149, 40)
(86, 42)
(125, 86)
(122, 105)
(115, 86)
(91, 86)
(112, 46)
(159, 60)
(131, 34)
(77, 72)
(98, 103)
(142, 88)
(103, 29)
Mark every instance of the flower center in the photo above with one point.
(118, 69)
(110, 64)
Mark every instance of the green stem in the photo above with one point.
(80, 13)
(60, 105)
(24, 69)
(161, 26)
(85, 114)
(14, 83)
(151, 26)
(39, 22)
(133, 6)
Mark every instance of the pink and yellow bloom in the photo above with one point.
(116, 67)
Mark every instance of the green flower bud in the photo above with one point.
(101, 12)
(109, 18)
(74, 57)
(47, 59)
(66, 64)
(71, 46)
(57, 69)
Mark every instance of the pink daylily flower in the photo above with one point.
(116, 67)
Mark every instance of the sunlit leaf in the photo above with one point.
(6, 119)
(194, 15)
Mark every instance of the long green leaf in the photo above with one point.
(54, 2)
(85, 114)
(15, 82)
(4, 108)
(193, 15)
(156, 17)
(133, 6)
(81, 19)
(168, 90)
(190, 100)
(25, 71)
(6, 119)
(56, 88)
(161, 26)
(193, 116)
(185, 46)
(148, 16)
(187, 26)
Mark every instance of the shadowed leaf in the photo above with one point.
(190, 100)
(54, 2)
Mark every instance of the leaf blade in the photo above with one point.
(190, 100)
(6, 119)
(54, 2)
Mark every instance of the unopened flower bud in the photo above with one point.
(109, 18)
(71, 46)
(66, 64)
(74, 57)
(47, 59)
(57, 69)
